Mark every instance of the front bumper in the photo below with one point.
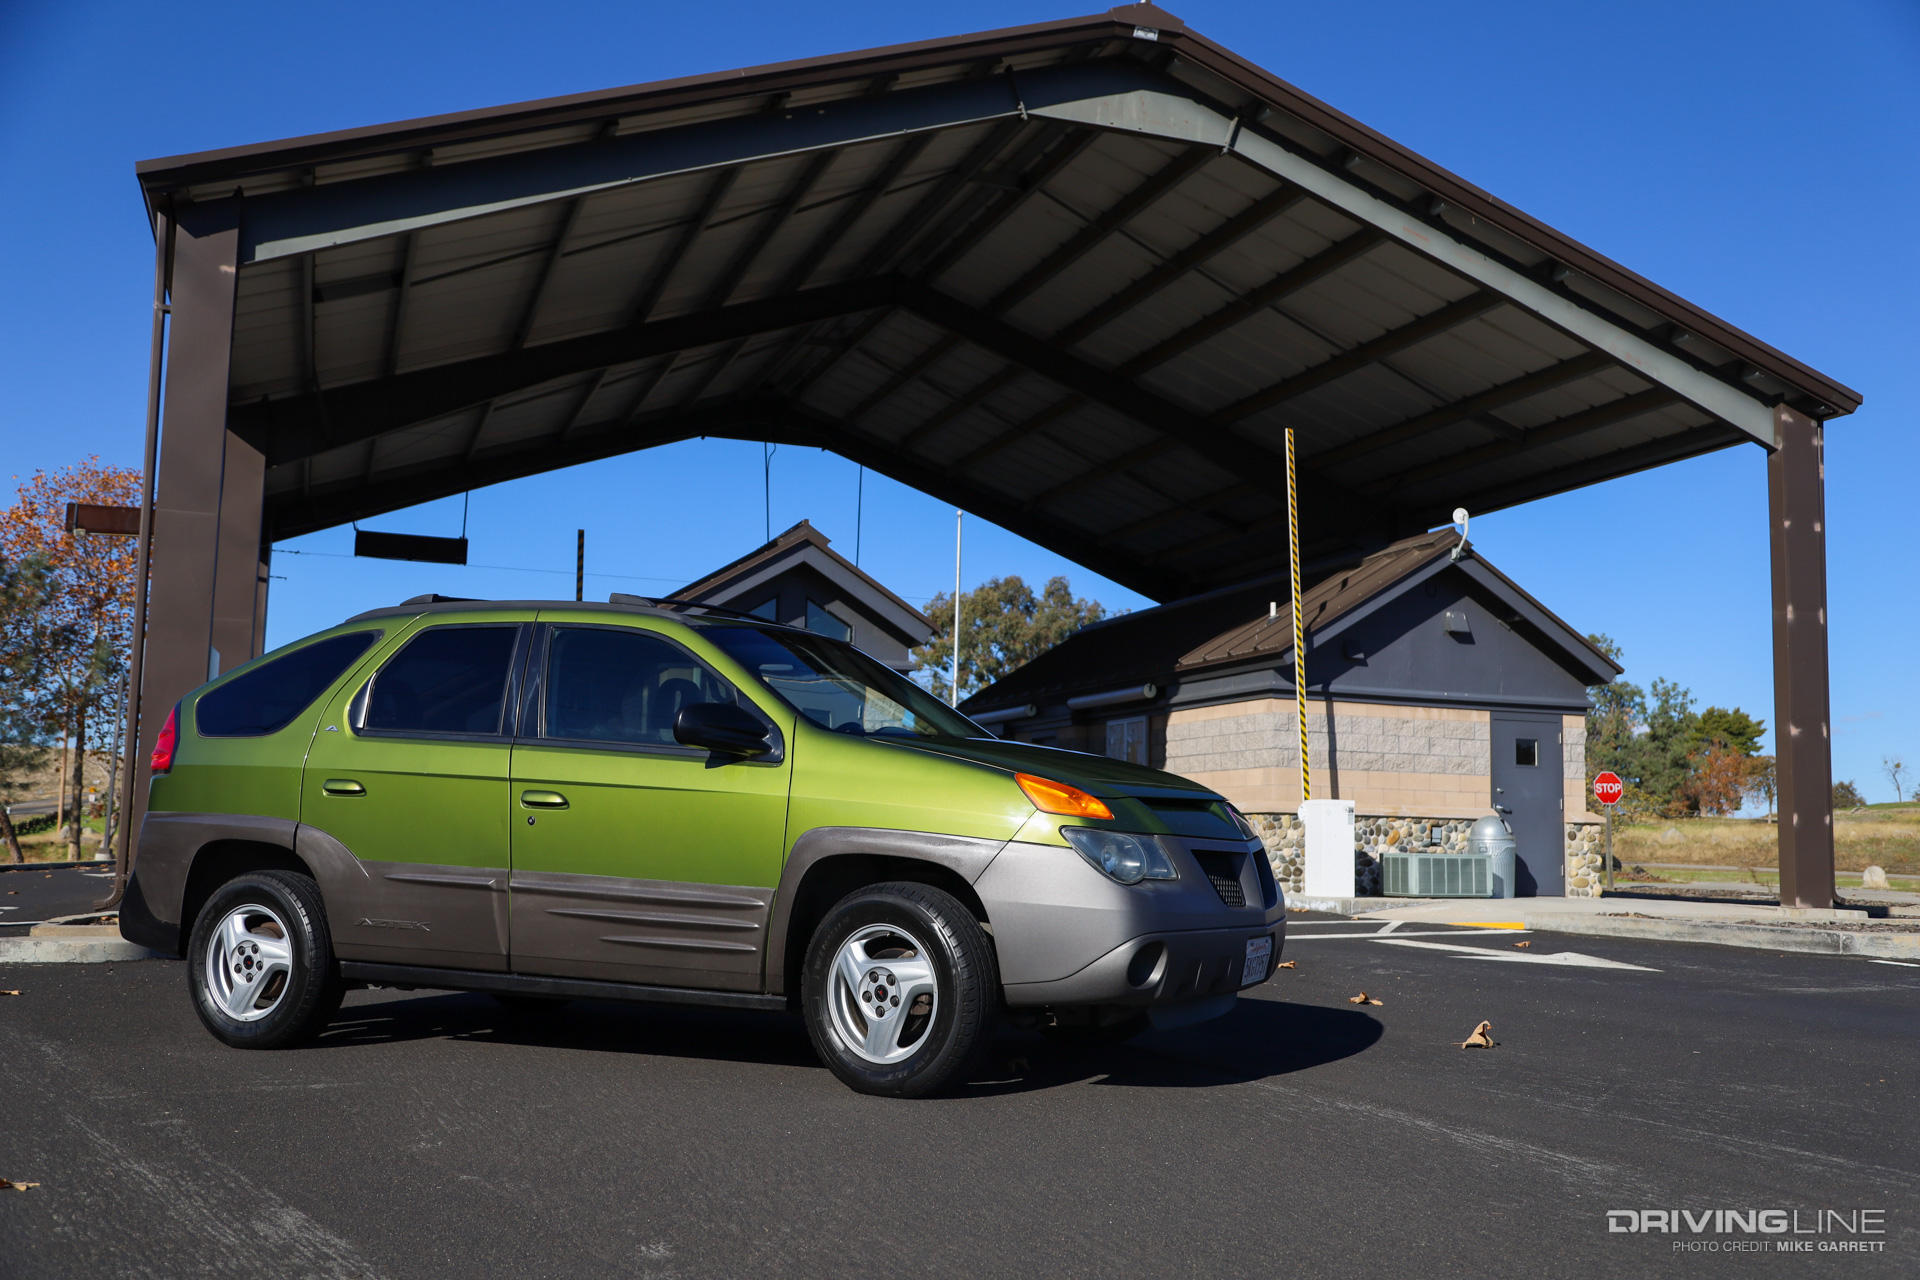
(1156, 970)
(1067, 935)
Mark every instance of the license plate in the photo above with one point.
(1259, 951)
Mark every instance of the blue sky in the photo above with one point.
(1755, 157)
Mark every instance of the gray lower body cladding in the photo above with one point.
(1067, 935)
(1155, 970)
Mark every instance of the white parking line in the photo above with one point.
(1522, 957)
(1431, 933)
(1904, 964)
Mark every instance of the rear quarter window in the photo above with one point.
(267, 698)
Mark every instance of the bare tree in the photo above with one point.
(1896, 770)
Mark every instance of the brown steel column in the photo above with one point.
(1797, 517)
(236, 583)
(193, 462)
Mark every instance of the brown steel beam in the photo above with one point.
(1554, 432)
(1607, 466)
(1803, 748)
(977, 230)
(1510, 392)
(1434, 323)
(296, 426)
(1335, 509)
(771, 222)
(924, 211)
(530, 314)
(1079, 245)
(649, 296)
(1220, 321)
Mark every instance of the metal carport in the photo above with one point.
(1078, 278)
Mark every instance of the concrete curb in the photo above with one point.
(1759, 937)
(72, 944)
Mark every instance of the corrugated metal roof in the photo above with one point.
(1054, 275)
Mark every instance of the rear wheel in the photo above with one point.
(260, 962)
(900, 990)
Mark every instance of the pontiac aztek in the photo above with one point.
(658, 802)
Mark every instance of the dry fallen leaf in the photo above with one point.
(1362, 998)
(1284, 964)
(1523, 945)
(9, 993)
(1480, 1039)
(9, 1185)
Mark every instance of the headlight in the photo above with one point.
(1126, 858)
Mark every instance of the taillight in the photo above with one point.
(163, 745)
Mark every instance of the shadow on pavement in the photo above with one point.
(1259, 1039)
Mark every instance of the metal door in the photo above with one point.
(1527, 792)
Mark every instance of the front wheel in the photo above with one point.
(260, 962)
(900, 990)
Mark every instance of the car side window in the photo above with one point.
(607, 684)
(266, 699)
(445, 680)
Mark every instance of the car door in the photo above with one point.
(1528, 792)
(410, 773)
(636, 859)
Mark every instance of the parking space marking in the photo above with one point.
(1428, 933)
(1904, 964)
(1521, 957)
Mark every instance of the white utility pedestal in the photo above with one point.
(1328, 830)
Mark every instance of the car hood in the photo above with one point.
(1100, 775)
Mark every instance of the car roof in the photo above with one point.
(630, 606)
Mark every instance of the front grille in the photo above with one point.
(1223, 871)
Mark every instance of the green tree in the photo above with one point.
(1005, 627)
(1847, 796)
(1649, 737)
(28, 635)
(1735, 730)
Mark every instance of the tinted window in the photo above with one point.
(446, 680)
(267, 698)
(838, 687)
(1526, 751)
(622, 686)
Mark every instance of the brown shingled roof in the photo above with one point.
(1325, 601)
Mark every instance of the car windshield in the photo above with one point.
(838, 687)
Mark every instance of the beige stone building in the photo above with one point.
(1439, 691)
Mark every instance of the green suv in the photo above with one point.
(661, 802)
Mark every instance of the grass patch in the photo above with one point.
(1882, 835)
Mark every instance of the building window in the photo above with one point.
(820, 622)
(1526, 751)
(768, 609)
(1127, 739)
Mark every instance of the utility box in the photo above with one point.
(1436, 875)
(1327, 826)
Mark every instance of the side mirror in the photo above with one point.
(722, 727)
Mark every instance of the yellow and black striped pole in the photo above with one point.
(1299, 648)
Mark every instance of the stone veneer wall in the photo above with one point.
(1286, 852)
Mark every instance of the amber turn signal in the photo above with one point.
(1049, 796)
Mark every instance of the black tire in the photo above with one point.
(519, 1002)
(965, 1008)
(1092, 1029)
(310, 988)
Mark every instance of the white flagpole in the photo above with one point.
(954, 691)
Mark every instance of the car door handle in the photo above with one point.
(342, 787)
(543, 800)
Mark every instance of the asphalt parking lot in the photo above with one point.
(431, 1135)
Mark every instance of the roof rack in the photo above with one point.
(680, 605)
(430, 598)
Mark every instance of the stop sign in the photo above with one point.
(1607, 788)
